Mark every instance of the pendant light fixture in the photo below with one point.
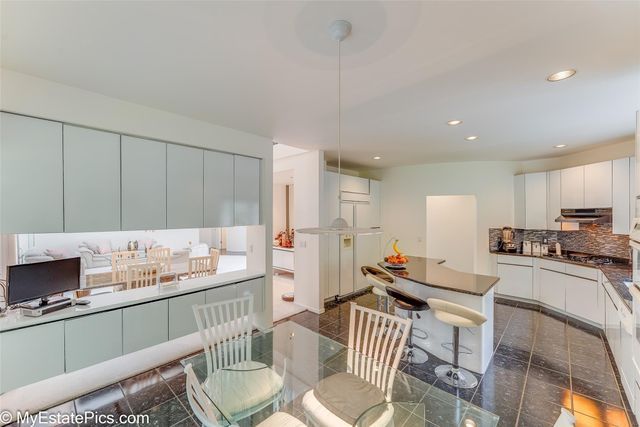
(340, 30)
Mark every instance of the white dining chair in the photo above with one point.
(200, 266)
(119, 262)
(161, 256)
(209, 415)
(373, 356)
(215, 258)
(143, 275)
(226, 333)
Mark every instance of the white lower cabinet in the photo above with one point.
(223, 293)
(583, 299)
(31, 354)
(92, 339)
(144, 325)
(552, 288)
(255, 287)
(624, 361)
(515, 280)
(182, 320)
(612, 324)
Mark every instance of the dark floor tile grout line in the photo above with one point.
(526, 376)
(618, 380)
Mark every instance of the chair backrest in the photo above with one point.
(225, 330)
(160, 255)
(373, 371)
(215, 258)
(118, 264)
(457, 310)
(200, 266)
(379, 336)
(142, 275)
(200, 404)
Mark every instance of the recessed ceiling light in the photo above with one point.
(560, 146)
(454, 122)
(377, 158)
(471, 138)
(561, 75)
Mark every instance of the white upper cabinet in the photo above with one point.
(144, 184)
(597, 185)
(519, 215)
(621, 202)
(218, 189)
(572, 188)
(553, 200)
(91, 180)
(354, 184)
(185, 187)
(247, 190)
(535, 191)
(31, 185)
(632, 191)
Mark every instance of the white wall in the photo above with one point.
(237, 239)
(404, 209)
(30, 95)
(452, 231)
(307, 194)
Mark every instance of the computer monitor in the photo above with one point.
(42, 279)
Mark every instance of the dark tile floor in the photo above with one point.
(542, 362)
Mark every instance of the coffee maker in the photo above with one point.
(507, 243)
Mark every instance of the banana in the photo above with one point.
(395, 247)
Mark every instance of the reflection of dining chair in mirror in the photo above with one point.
(215, 258)
(208, 414)
(160, 255)
(142, 275)
(118, 265)
(243, 385)
(200, 266)
(374, 351)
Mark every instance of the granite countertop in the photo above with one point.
(615, 273)
(431, 272)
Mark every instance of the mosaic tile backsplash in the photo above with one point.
(595, 239)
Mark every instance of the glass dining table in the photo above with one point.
(285, 362)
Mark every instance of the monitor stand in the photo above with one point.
(43, 302)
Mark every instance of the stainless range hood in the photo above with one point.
(585, 216)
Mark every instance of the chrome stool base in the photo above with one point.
(414, 355)
(460, 378)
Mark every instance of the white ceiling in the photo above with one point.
(269, 68)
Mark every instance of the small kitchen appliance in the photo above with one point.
(526, 247)
(508, 244)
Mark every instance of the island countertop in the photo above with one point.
(431, 272)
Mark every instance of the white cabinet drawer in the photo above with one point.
(515, 280)
(515, 260)
(560, 267)
(222, 293)
(584, 272)
(31, 354)
(92, 339)
(283, 259)
(582, 299)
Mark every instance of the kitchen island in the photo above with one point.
(431, 278)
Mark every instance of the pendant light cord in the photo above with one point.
(339, 130)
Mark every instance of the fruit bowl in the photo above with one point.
(396, 261)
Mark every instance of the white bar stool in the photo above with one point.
(379, 280)
(457, 316)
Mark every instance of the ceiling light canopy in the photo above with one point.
(340, 30)
(454, 122)
(561, 75)
(471, 138)
(560, 146)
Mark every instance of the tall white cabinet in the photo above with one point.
(144, 184)
(31, 182)
(535, 189)
(91, 180)
(185, 187)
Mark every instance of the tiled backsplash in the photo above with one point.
(596, 239)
